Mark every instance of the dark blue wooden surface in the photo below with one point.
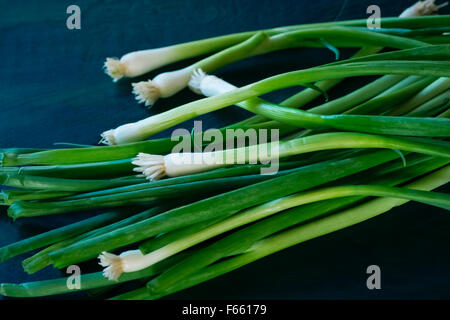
(53, 89)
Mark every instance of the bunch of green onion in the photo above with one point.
(341, 162)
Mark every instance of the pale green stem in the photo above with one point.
(152, 125)
(270, 208)
(434, 89)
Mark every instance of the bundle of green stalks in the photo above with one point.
(173, 224)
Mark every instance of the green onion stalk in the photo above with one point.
(137, 63)
(65, 232)
(169, 83)
(220, 205)
(62, 233)
(174, 279)
(307, 95)
(178, 164)
(12, 195)
(252, 154)
(89, 156)
(435, 52)
(213, 86)
(31, 182)
(207, 227)
(139, 261)
(21, 209)
(147, 127)
(41, 259)
(390, 174)
(386, 82)
(85, 160)
(162, 286)
(97, 170)
(439, 86)
(95, 280)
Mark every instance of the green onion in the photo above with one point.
(387, 174)
(168, 83)
(87, 281)
(109, 169)
(41, 259)
(220, 205)
(21, 209)
(57, 184)
(307, 95)
(96, 280)
(437, 104)
(212, 86)
(147, 127)
(437, 87)
(211, 217)
(415, 161)
(86, 156)
(12, 195)
(61, 233)
(19, 150)
(234, 171)
(131, 261)
(175, 164)
(158, 286)
(388, 99)
(139, 62)
(422, 7)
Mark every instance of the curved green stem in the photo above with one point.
(21, 209)
(152, 125)
(441, 200)
(160, 286)
(220, 205)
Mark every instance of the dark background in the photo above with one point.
(53, 89)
